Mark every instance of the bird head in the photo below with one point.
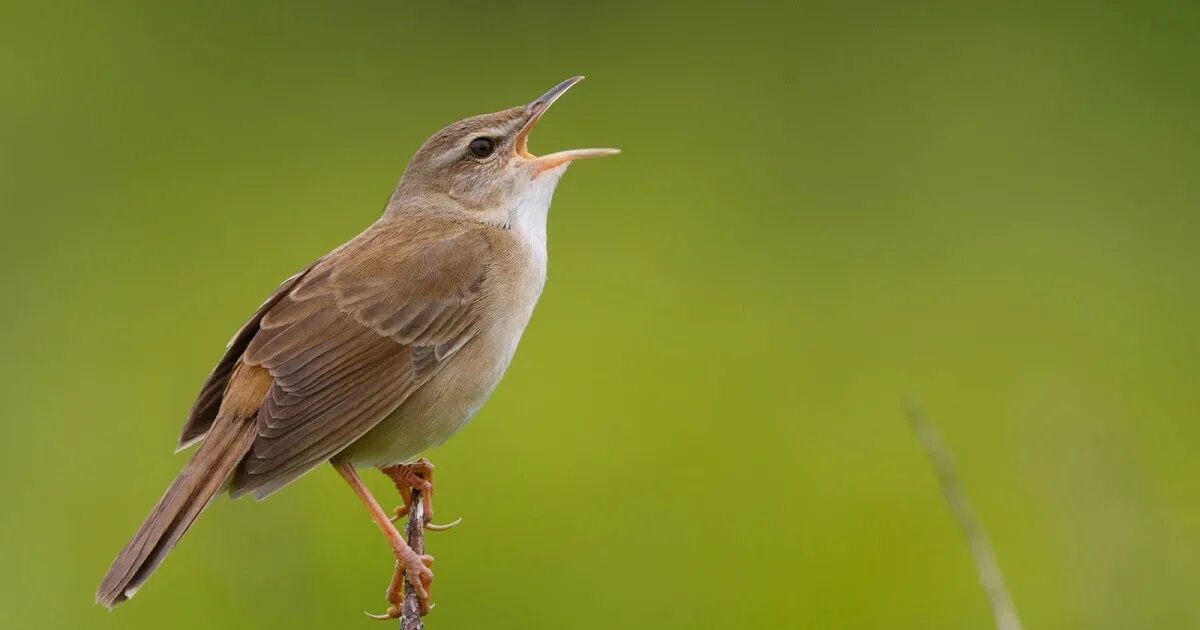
(483, 163)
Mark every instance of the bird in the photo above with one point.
(380, 349)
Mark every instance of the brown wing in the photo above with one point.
(204, 410)
(360, 332)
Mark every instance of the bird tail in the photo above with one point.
(205, 475)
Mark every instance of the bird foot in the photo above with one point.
(417, 475)
(412, 571)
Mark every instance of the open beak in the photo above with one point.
(534, 111)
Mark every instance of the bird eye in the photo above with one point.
(481, 147)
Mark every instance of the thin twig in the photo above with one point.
(990, 577)
(410, 616)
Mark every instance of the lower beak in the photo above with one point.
(535, 111)
(547, 162)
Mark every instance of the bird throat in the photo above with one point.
(527, 219)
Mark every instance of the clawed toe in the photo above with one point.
(393, 612)
(402, 511)
(434, 527)
(419, 577)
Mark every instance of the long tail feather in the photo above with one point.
(232, 434)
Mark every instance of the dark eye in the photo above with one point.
(481, 147)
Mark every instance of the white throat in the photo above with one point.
(528, 218)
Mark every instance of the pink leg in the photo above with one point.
(409, 564)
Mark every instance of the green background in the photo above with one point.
(821, 208)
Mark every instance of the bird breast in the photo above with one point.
(442, 406)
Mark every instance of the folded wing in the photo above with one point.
(354, 337)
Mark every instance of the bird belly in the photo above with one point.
(434, 412)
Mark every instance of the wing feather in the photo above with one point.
(208, 402)
(348, 343)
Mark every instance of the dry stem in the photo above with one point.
(410, 617)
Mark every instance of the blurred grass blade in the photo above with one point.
(990, 578)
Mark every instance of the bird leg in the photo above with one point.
(411, 567)
(417, 475)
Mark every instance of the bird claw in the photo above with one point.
(402, 511)
(434, 527)
(393, 612)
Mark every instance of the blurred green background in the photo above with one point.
(821, 209)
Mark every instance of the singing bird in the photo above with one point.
(380, 349)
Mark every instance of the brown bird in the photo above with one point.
(379, 350)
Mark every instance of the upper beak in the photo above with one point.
(534, 112)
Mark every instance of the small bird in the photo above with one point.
(380, 349)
